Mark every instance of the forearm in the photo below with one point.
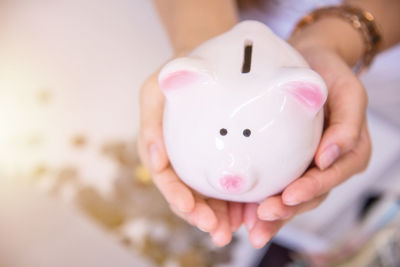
(191, 22)
(339, 35)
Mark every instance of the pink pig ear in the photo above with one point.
(306, 93)
(308, 88)
(183, 74)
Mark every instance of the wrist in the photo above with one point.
(333, 34)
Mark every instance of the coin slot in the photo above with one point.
(247, 55)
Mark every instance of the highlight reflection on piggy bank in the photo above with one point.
(243, 114)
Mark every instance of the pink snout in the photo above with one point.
(232, 184)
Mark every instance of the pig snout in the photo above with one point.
(232, 183)
(235, 184)
(234, 174)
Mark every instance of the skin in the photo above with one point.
(330, 46)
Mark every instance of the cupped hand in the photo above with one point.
(219, 218)
(344, 149)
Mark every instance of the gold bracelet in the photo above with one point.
(361, 20)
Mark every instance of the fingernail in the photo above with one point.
(291, 199)
(204, 225)
(329, 156)
(205, 230)
(259, 241)
(154, 157)
(183, 208)
(219, 239)
(250, 224)
(270, 217)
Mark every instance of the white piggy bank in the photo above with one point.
(243, 114)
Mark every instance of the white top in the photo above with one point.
(282, 15)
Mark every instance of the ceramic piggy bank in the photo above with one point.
(243, 114)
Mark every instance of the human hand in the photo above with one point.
(219, 218)
(344, 149)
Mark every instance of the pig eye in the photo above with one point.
(223, 132)
(246, 132)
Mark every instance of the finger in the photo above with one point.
(263, 231)
(175, 192)
(250, 215)
(235, 215)
(222, 235)
(184, 216)
(316, 182)
(203, 215)
(151, 145)
(346, 107)
(273, 208)
(309, 205)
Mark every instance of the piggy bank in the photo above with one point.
(243, 114)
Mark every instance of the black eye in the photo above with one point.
(223, 132)
(246, 132)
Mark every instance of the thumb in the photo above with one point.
(151, 145)
(345, 114)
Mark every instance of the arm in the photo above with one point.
(191, 22)
(338, 35)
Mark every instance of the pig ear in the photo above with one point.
(184, 74)
(308, 89)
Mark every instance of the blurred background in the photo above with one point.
(72, 190)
